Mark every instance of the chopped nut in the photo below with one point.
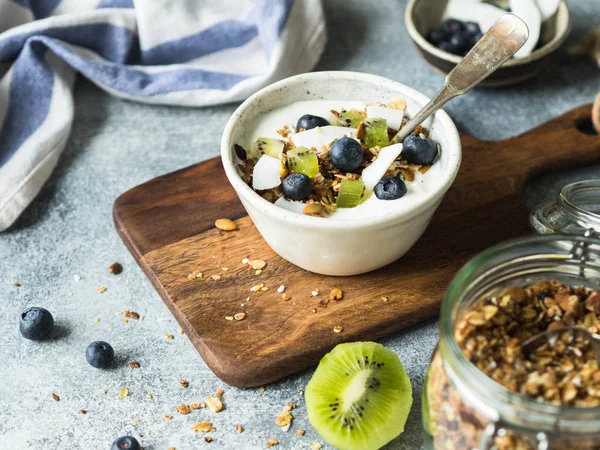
(169, 336)
(315, 446)
(82, 411)
(314, 310)
(180, 331)
(336, 294)
(239, 316)
(338, 329)
(55, 397)
(184, 383)
(385, 299)
(183, 409)
(203, 427)
(239, 428)
(272, 442)
(100, 289)
(219, 393)
(315, 293)
(230, 318)
(398, 103)
(225, 225)
(16, 284)
(132, 315)
(124, 392)
(257, 288)
(208, 439)
(281, 288)
(258, 272)
(195, 406)
(216, 277)
(115, 268)
(289, 406)
(214, 404)
(301, 432)
(245, 261)
(592, 302)
(148, 395)
(168, 417)
(313, 209)
(257, 264)
(284, 420)
(285, 297)
(134, 364)
(97, 320)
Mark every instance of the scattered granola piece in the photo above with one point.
(338, 329)
(183, 409)
(97, 319)
(115, 268)
(16, 284)
(214, 404)
(194, 275)
(315, 293)
(202, 405)
(271, 442)
(314, 310)
(245, 261)
(240, 316)
(315, 446)
(55, 397)
(301, 432)
(135, 420)
(169, 417)
(180, 331)
(208, 439)
(125, 320)
(100, 289)
(148, 395)
(398, 103)
(592, 302)
(204, 427)
(289, 406)
(216, 277)
(258, 272)
(313, 209)
(196, 405)
(134, 364)
(257, 288)
(281, 288)
(323, 303)
(285, 297)
(262, 389)
(385, 299)
(184, 383)
(225, 225)
(239, 428)
(77, 277)
(82, 411)
(219, 393)
(171, 448)
(284, 420)
(336, 294)
(124, 392)
(225, 268)
(229, 318)
(132, 315)
(169, 336)
(257, 264)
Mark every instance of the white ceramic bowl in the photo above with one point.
(328, 246)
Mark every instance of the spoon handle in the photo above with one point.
(502, 41)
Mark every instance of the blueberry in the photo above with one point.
(437, 35)
(390, 188)
(126, 443)
(451, 26)
(308, 122)
(418, 150)
(472, 28)
(346, 154)
(460, 41)
(448, 47)
(36, 324)
(297, 186)
(100, 355)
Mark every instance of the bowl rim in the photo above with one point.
(247, 194)
(537, 54)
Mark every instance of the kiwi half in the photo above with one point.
(359, 397)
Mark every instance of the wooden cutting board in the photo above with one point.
(168, 225)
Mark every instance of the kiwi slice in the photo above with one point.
(376, 133)
(268, 146)
(359, 397)
(350, 194)
(349, 118)
(302, 160)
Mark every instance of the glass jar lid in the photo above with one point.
(576, 210)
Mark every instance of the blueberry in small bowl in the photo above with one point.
(346, 154)
(297, 186)
(36, 324)
(308, 122)
(390, 188)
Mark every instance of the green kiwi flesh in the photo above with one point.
(268, 146)
(302, 160)
(359, 397)
(376, 133)
(350, 194)
(349, 118)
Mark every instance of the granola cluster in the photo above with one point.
(562, 371)
(327, 183)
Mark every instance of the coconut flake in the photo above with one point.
(292, 206)
(547, 8)
(322, 136)
(473, 11)
(266, 173)
(373, 173)
(393, 117)
(529, 12)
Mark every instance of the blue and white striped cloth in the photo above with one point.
(177, 52)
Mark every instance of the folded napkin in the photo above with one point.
(184, 52)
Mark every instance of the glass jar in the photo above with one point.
(575, 210)
(465, 409)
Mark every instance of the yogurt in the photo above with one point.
(267, 125)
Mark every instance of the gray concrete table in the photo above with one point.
(68, 231)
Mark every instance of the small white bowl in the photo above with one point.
(325, 245)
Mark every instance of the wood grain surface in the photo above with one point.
(167, 224)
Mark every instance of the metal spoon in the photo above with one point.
(503, 40)
(550, 337)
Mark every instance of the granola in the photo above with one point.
(491, 334)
